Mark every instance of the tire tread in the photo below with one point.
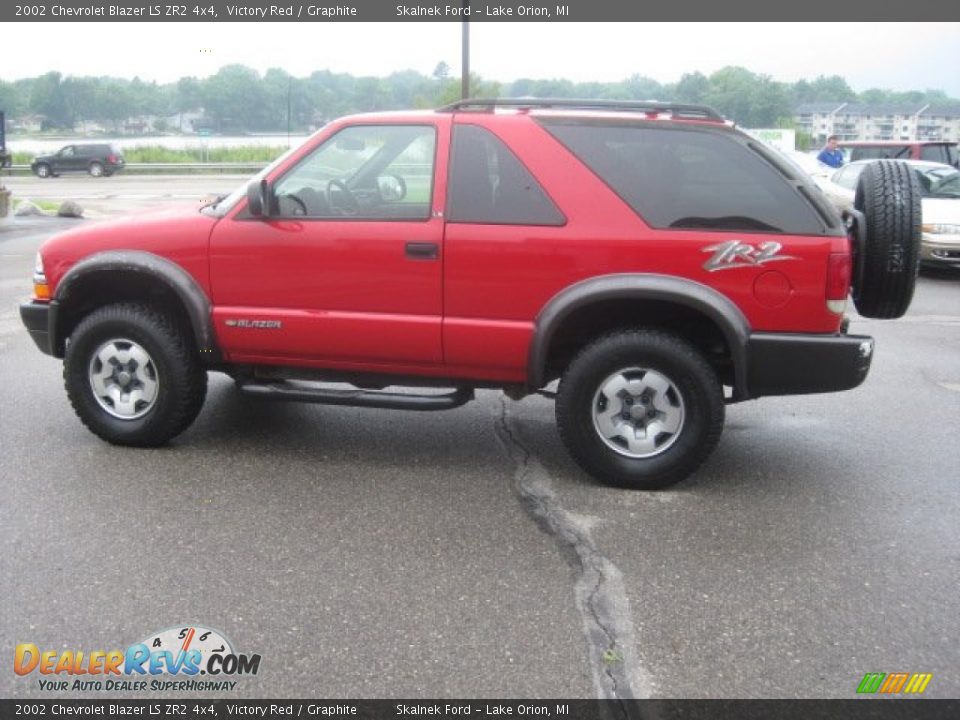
(190, 381)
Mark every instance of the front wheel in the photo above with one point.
(43, 171)
(640, 409)
(132, 376)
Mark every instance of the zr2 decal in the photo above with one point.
(735, 254)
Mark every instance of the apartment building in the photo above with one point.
(862, 121)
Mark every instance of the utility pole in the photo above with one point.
(465, 53)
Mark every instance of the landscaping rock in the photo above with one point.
(27, 208)
(69, 208)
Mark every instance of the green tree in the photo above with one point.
(235, 98)
(47, 99)
(80, 95)
(11, 100)
(692, 88)
(442, 71)
(188, 96)
(113, 102)
(450, 92)
(640, 87)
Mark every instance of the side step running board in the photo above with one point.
(283, 390)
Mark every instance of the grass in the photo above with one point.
(45, 205)
(246, 153)
(610, 656)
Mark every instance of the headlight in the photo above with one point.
(941, 229)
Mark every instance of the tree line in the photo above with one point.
(240, 99)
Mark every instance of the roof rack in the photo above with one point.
(698, 112)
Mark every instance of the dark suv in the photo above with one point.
(98, 159)
(656, 261)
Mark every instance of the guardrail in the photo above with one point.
(239, 167)
(221, 167)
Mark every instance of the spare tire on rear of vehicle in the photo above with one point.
(888, 195)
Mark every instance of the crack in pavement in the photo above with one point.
(600, 593)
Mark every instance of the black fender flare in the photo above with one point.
(641, 286)
(174, 277)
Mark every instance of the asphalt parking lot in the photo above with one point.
(367, 553)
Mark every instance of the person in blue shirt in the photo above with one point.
(831, 155)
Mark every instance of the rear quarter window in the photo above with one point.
(881, 152)
(689, 178)
(489, 184)
(936, 153)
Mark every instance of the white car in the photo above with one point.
(806, 162)
(940, 185)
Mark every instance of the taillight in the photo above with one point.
(839, 269)
(112, 159)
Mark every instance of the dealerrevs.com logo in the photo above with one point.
(169, 660)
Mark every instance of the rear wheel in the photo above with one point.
(132, 376)
(96, 169)
(888, 194)
(640, 409)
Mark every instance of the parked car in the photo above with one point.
(655, 260)
(806, 162)
(940, 190)
(930, 150)
(98, 159)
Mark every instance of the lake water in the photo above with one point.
(173, 142)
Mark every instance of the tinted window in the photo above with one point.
(689, 178)
(365, 172)
(939, 182)
(880, 153)
(489, 184)
(935, 153)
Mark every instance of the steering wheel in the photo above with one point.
(350, 206)
(301, 206)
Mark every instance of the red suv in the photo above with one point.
(656, 261)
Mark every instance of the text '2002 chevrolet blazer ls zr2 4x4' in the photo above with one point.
(655, 260)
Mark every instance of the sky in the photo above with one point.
(897, 56)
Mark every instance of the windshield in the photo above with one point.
(222, 206)
(940, 182)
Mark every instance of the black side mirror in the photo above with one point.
(258, 198)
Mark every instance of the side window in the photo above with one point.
(882, 152)
(934, 153)
(67, 152)
(687, 178)
(364, 172)
(489, 185)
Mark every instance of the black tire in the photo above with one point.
(180, 378)
(43, 171)
(888, 194)
(636, 352)
(96, 169)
